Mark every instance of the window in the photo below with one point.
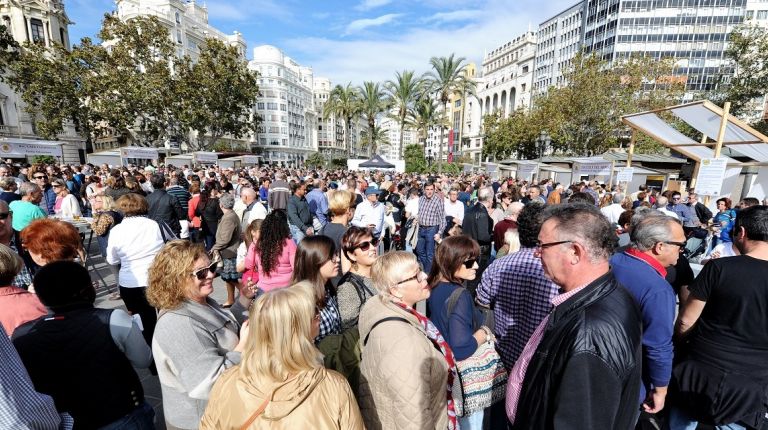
(525, 69)
(178, 18)
(38, 34)
(178, 37)
(457, 103)
(762, 14)
(260, 105)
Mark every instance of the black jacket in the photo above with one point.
(585, 373)
(702, 212)
(165, 207)
(478, 224)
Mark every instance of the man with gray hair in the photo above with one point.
(27, 209)
(508, 223)
(614, 210)
(661, 206)
(582, 364)
(478, 225)
(656, 243)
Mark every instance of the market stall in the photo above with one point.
(22, 148)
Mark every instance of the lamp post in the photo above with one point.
(542, 142)
(430, 158)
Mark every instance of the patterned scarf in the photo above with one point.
(434, 335)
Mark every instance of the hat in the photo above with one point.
(372, 190)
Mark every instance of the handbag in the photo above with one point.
(482, 378)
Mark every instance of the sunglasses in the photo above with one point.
(39, 177)
(5, 215)
(201, 274)
(470, 263)
(420, 276)
(365, 246)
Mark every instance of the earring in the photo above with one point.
(354, 266)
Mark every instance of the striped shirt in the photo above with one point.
(432, 212)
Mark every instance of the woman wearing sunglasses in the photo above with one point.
(195, 338)
(356, 286)
(456, 263)
(407, 366)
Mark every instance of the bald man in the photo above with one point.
(253, 208)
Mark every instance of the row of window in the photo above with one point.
(665, 4)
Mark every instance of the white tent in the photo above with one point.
(20, 148)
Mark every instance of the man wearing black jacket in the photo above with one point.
(581, 367)
(702, 212)
(478, 225)
(163, 206)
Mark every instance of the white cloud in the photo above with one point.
(242, 10)
(372, 4)
(361, 24)
(360, 59)
(457, 15)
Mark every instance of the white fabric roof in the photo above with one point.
(705, 117)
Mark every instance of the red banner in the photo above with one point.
(450, 145)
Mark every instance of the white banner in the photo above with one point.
(709, 181)
(140, 153)
(593, 169)
(624, 174)
(19, 150)
(250, 159)
(526, 171)
(206, 157)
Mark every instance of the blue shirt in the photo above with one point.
(318, 205)
(657, 306)
(457, 328)
(686, 214)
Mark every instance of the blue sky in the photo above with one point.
(359, 40)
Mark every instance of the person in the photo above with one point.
(279, 192)
(571, 371)
(722, 250)
(209, 211)
(479, 226)
(225, 246)
(133, 244)
(657, 241)
(194, 219)
(370, 213)
(517, 290)
(66, 204)
(105, 217)
(164, 207)
(250, 275)
(8, 189)
(511, 243)
(556, 195)
(504, 200)
(614, 210)
(299, 215)
(273, 254)
(18, 305)
(318, 205)
(81, 355)
(195, 339)
(703, 214)
(720, 375)
(456, 263)
(748, 202)
(508, 223)
(253, 208)
(534, 195)
(27, 209)
(48, 199)
(431, 219)
(340, 209)
(355, 288)
(407, 366)
(723, 220)
(264, 192)
(453, 207)
(47, 240)
(281, 382)
(685, 213)
(663, 207)
(317, 262)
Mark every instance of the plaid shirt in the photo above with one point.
(330, 319)
(24, 279)
(521, 297)
(432, 212)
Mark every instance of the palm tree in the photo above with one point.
(343, 102)
(373, 102)
(446, 78)
(374, 138)
(403, 93)
(426, 114)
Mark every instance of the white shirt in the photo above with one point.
(613, 212)
(133, 245)
(668, 212)
(70, 207)
(456, 209)
(367, 214)
(412, 207)
(258, 211)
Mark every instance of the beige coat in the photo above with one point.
(404, 376)
(315, 399)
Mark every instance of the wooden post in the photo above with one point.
(631, 147)
(698, 163)
(610, 176)
(721, 136)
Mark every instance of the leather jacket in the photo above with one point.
(585, 373)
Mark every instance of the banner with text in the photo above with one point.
(250, 159)
(709, 181)
(140, 153)
(20, 150)
(526, 171)
(206, 157)
(593, 169)
(624, 174)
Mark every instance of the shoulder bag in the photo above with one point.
(482, 379)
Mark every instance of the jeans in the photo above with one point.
(135, 300)
(296, 233)
(141, 418)
(425, 247)
(472, 422)
(679, 421)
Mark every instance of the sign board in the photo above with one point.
(526, 171)
(19, 150)
(709, 182)
(140, 153)
(206, 157)
(250, 159)
(593, 169)
(467, 168)
(624, 174)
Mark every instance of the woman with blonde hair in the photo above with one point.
(407, 366)
(66, 205)
(105, 216)
(281, 382)
(195, 339)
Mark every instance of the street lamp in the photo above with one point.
(430, 158)
(542, 142)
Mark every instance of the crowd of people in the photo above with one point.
(378, 300)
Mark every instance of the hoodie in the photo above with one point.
(317, 398)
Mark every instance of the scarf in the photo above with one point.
(437, 339)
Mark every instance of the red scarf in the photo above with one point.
(436, 338)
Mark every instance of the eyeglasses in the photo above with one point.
(39, 177)
(420, 276)
(676, 198)
(540, 246)
(5, 215)
(680, 245)
(365, 246)
(470, 263)
(201, 274)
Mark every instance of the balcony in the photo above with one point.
(7, 130)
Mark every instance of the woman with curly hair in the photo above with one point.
(273, 257)
(195, 339)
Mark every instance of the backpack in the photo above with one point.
(341, 352)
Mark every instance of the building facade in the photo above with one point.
(44, 22)
(288, 132)
(757, 15)
(330, 131)
(508, 76)
(558, 41)
(390, 150)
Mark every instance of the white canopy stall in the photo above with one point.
(23, 148)
(192, 158)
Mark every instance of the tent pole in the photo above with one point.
(723, 126)
(698, 163)
(631, 147)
